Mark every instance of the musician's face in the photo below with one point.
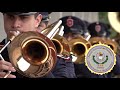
(13, 23)
(98, 28)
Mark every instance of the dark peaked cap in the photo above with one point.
(104, 32)
(73, 24)
(20, 13)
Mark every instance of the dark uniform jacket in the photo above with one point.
(62, 69)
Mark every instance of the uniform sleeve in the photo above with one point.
(63, 69)
(70, 68)
(60, 69)
(50, 75)
(116, 69)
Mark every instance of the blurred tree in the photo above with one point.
(103, 17)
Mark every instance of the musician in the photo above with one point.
(24, 22)
(100, 29)
(74, 27)
(69, 64)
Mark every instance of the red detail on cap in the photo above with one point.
(1, 46)
(70, 22)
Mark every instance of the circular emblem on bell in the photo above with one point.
(100, 59)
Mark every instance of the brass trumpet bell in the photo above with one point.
(78, 48)
(34, 54)
(62, 46)
(113, 44)
(59, 41)
(114, 20)
(96, 40)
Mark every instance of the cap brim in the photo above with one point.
(20, 13)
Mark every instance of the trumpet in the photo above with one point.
(61, 44)
(114, 20)
(78, 48)
(96, 40)
(110, 42)
(34, 54)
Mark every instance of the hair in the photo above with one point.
(45, 22)
(36, 14)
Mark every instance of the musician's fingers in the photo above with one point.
(8, 68)
(5, 62)
(3, 74)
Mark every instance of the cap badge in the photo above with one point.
(98, 28)
(70, 22)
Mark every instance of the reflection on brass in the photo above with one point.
(78, 47)
(114, 20)
(112, 43)
(36, 51)
(34, 54)
(60, 42)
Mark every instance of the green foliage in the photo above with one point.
(103, 17)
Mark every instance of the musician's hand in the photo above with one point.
(7, 66)
(2, 75)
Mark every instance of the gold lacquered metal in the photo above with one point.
(37, 50)
(78, 47)
(114, 20)
(34, 54)
(112, 43)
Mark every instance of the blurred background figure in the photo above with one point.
(101, 31)
(74, 26)
(87, 23)
(75, 31)
(67, 64)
